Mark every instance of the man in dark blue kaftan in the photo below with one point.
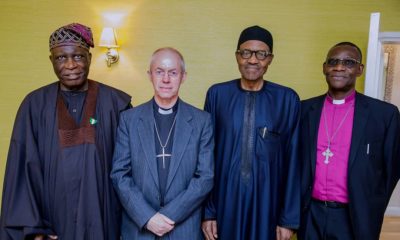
(256, 194)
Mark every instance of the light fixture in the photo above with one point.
(108, 40)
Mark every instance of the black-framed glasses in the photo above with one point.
(260, 54)
(347, 62)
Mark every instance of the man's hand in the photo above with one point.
(209, 228)
(160, 224)
(283, 233)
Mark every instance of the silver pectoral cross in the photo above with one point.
(327, 154)
(163, 155)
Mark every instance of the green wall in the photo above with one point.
(206, 32)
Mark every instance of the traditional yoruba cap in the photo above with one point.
(72, 34)
(256, 33)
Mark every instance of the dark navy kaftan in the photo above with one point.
(257, 182)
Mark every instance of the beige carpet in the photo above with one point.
(391, 228)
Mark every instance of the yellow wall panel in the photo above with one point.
(206, 32)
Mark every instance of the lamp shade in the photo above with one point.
(108, 38)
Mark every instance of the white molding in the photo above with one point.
(374, 84)
(392, 211)
(389, 37)
(371, 75)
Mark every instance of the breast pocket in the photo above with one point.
(376, 166)
(267, 144)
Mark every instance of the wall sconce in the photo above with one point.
(109, 41)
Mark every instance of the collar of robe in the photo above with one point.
(69, 132)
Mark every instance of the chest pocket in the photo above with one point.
(267, 144)
(376, 166)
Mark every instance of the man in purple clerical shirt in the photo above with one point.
(350, 152)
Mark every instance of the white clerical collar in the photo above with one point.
(338, 102)
(347, 99)
(165, 111)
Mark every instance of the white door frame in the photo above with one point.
(374, 82)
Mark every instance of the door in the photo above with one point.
(382, 79)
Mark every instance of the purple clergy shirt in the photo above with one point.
(330, 183)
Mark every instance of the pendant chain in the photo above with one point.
(169, 134)
(337, 129)
(163, 154)
(328, 153)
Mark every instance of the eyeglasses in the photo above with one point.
(260, 54)
(348, 62)
(161, 73)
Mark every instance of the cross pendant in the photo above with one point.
(327, 154)
(163, 155)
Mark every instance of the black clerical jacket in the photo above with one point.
(373, 166)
